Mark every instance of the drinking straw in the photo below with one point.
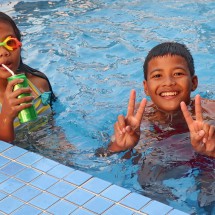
(9, 70)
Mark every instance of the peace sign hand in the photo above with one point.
(202, 134)
(127, 129)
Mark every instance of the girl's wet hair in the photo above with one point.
(170, 48)
(23, 67)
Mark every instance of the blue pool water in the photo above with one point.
(93, 51)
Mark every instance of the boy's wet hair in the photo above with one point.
(23, 67)
(170, 48)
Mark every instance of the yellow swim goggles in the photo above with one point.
(11, 43)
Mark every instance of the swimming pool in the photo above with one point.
(92, 52)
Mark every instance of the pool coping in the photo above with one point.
(33, 184)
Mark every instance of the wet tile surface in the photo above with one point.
(33, 184)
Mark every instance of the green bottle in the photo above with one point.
(28, 114)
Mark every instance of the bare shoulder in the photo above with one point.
(40, 83)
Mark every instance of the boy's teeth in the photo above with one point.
(169, 94)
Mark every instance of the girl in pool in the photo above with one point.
(169, 79)
(40, 88)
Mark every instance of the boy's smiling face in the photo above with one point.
(169, 82)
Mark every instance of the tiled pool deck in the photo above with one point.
(32, 184)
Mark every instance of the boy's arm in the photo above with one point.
(127, 129)
(202, 134)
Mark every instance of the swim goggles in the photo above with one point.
(11, 43)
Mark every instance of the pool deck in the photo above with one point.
(32, 184)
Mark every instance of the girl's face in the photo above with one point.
(169, 82)
(10, 58)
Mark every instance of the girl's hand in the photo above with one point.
(127, 129)
(12, 105)
(202, 134)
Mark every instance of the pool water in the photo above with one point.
(93, 52)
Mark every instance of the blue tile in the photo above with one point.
(155, 207)
(62, 207)
(14, 204)
(44, 182)
(115, 193)
(27, 193)
(98, 205)
(4, 146)
(44, 201)
(77, 177)
(79, 196)
(14, 152)
(11, 185)
(177, 212)
(27, 210)
(61, 189)
(60, 171)
(12, 168)
(29, 158)
(134, 200)
(45, 164)
(3, 161)
(118, 209)
(3, 177)
(2, 195)
(81, 211)
(96, 185)
(28, 174)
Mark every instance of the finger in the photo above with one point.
(198, 108)
(22, 90)
(23, 106)
(121, 122)
(131, 103)
(12, 83)
(26, 99)
(206, 128)
(140, 111)
(186, 114)
(117, 130)
(211, 132)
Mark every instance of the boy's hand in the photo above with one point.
(127, 129)
(202, 134)
(12, 105)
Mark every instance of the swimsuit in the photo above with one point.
(42, 106)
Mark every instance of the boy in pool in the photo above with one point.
(169, 80)
(40, 88)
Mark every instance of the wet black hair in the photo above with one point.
(23, 67)
(170, 48)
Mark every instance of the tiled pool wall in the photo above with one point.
(32, 184)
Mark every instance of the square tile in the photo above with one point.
(61, 189)
(45, 164)
(4, 146)
(11, 185)
(3, 161)
(2, 195)
(14, 204)
(96, 185)
(14, 152)
(12, 168)
(81, 211)
(62, 207)
(134, 200)
(44, 182)
(79, 196)
(27, 193)
(29, 158)
(44, 201)
(118, 209)
(28, 174)
(155, 207)
(98, 204)
(115, 193)
(27, 209)
(3, 177)
(177, 212)
(60, 171)
(77, 177)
